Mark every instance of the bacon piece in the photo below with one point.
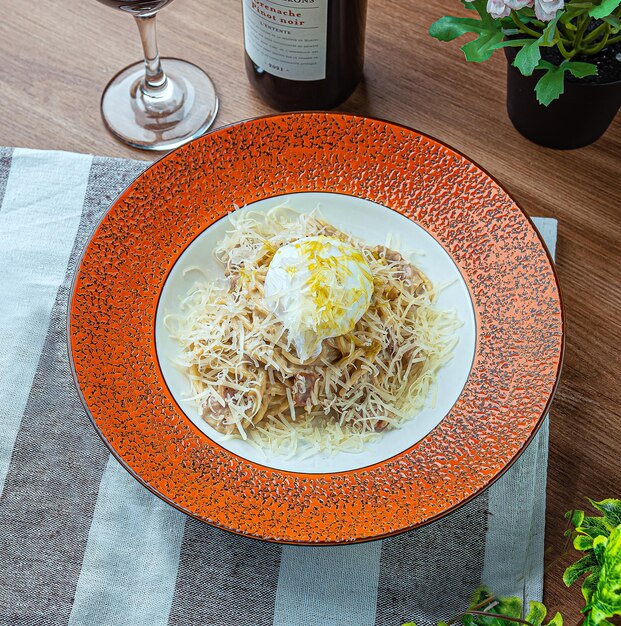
(302, 387)
(218, 416)
(406, 272)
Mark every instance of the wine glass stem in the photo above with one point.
(155, 80)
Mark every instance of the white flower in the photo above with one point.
(498, 8)
(545, 10)
(502, 8)
(516, 5)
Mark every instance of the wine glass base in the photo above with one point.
(184, 108)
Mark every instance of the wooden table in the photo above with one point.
(57, 57)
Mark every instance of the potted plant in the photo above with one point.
(564, 62)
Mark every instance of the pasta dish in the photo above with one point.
(312, 340)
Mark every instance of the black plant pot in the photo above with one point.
(576, 119)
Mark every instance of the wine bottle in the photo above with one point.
(304, 54)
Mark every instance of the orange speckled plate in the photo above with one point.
(440, 197)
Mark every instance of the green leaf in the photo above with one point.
(551, 85)
(579, 568)
(589, 586)
(414, 623)
(482, 48)
(605, 601)
(508, 26)
(480, 595)
(614, 21)
(546, 65)
(549, 38)
(498, 610)
(580, 70)
(610, 507)
(583, 543)
(576, 516)
(528, 57)
(588, 621)
(613, 549)
(511, 606)
(599, 547)
(605, 7)
(593, 527)
(513, 43)
(480, 6)
(448, 28)
(536, 614)
(488, 30)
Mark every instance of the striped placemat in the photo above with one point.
(82, 543)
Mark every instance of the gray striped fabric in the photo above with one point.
(82, 543)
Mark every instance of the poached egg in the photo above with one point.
(318, 287)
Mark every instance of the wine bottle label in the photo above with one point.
(287, 38)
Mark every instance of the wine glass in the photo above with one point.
(157, 104)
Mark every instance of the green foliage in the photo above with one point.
(611, 510)
(551, 85)
(614, 22)
(550, 36)
(488, 32)
(527, 59)
(578, 569)
(583, 27)
(606, 7)
(603, 596)
(600, 538)
(488, 610)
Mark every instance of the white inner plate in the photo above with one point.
(373, 223)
